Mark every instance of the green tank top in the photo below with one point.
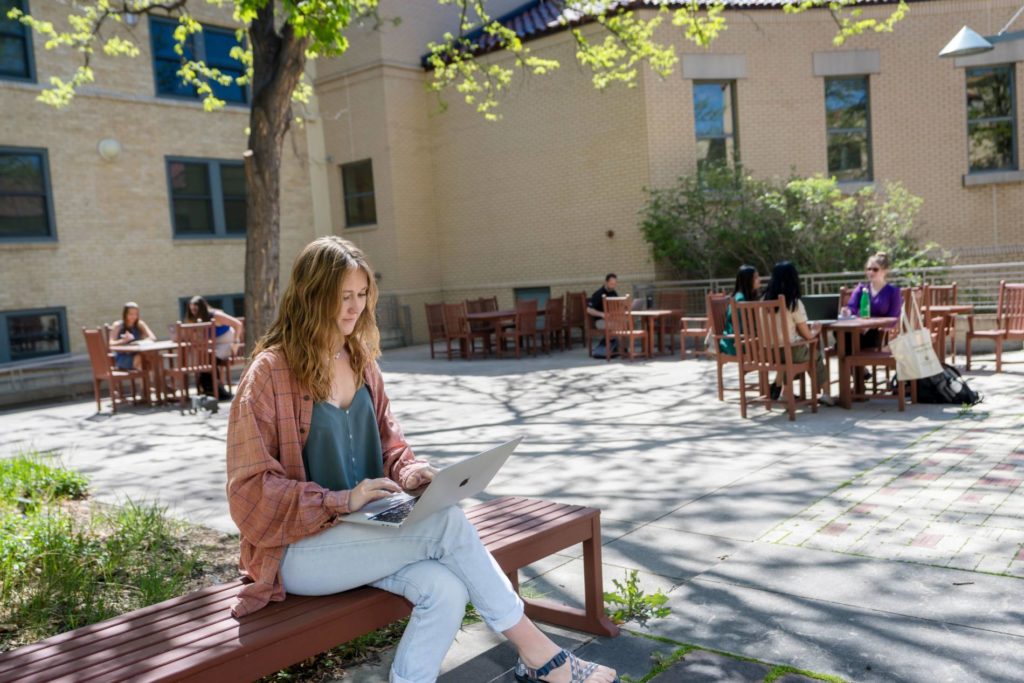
(343, 447)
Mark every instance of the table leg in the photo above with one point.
(845, 398)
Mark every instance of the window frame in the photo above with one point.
(1011, 117)
(345, 195)
(199, 52)
(829, 132)
(5, 333)
(51, 218)
(29, 48)
(735, 120)
(213, 167)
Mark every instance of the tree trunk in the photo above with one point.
(279, 59)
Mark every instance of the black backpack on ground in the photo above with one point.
(949, 386)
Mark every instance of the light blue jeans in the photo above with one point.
(438, 564)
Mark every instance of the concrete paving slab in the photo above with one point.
(668, 552)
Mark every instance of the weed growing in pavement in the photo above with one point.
(632, 604)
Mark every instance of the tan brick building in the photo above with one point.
(109, 231)
(450, 205)
(548, 197)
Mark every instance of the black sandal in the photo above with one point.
(579, 669)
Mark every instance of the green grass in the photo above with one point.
(60, 570)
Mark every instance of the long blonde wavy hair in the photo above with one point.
(306, 329)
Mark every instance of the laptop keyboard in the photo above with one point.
(396, 514)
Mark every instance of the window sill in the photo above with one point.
(209, 239)
(360, 228)
(17, 245)
(854, 186)
(993, 178)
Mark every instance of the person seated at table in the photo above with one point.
(885, 298)
(748, 283)
(226, 329)
(292, 472)
(128, 329)
(786, 282)
(595, 307)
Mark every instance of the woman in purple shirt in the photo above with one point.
(885, 298)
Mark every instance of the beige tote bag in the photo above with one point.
(912, 349)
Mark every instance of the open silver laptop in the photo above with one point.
(450, 485)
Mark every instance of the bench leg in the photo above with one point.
(592, 619)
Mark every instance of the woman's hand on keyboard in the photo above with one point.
(369, 490)
(420, 478)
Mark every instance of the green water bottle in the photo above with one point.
(865, 304)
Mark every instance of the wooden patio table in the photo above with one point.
(152, 364)
(856, 326)
(946, 312)
(660, 316)
(497, 317)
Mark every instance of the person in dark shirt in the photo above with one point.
(595, 307)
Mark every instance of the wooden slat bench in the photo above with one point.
(194, 637)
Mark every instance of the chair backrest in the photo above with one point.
(455, 321)
(940, 295)
(669, 300)
(99, 357)
(474, 306)
(195, 346)
(488, 304)
(718, 305)
(435, 319)
(106, 336)
(527, 312)
(618, 314)
(761, 338)
(554, 317)
(1011, 307)
(576, 309)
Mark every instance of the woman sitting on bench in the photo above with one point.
(311, 437)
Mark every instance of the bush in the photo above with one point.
(709, 224)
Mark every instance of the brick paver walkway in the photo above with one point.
(953, 499)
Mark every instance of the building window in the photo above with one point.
(991, 119)
(26, 207)
(847, 125)
(232, 304)
(32, 334)
(15, 44)
(212, 46)
(357, 183)
(207, 197)
(714, 115)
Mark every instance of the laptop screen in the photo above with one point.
(821, 306)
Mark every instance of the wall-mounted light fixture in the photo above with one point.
(131, 18)
(969, 42)
(109, 149)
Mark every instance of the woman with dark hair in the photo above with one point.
(130, 328)
(785, 282)
(748, 283)
(311, 437)
(226, 329)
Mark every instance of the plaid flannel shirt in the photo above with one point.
(268, 496)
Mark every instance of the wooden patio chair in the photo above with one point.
(576, 317)
(696, 328)
(456, 327)
(881, 358)
(194, 357)
(619, 324)
(1009, 325)
(556, 330)
(763, 346)
(718, 307)
(435, 324)
(942, 295)
(482, 329)
(103, 369)
(523, 332)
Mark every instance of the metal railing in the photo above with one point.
(977, 284)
